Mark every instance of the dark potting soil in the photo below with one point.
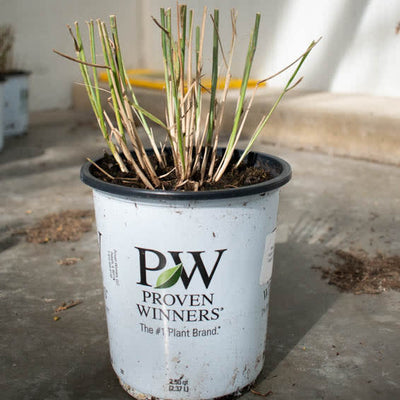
(66, 226)
(357, 273)
(244, 175)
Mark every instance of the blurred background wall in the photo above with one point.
(359, 52)
(40, 27)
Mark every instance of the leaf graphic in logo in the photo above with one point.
(169, 277)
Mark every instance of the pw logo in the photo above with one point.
(170, 276)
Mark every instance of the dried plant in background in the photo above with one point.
(6, 46)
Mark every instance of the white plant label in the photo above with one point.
(268, 259)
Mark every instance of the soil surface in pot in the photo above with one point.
(357, 273)
(244, 175)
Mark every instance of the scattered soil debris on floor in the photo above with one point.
(62, 227)
(68, 260)
(357, 273)
(66, 306)
(63, 307)
(261, 394)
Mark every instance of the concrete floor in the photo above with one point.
(322, 344)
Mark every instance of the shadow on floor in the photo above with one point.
(299, 298)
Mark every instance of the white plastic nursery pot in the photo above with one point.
(15, 114)
(186, 283)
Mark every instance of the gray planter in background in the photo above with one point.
(15, 103)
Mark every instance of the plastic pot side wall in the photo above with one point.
(202, 333)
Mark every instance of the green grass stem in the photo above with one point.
(239, 108)
(286, 89)
(112, 74)
(173, 68)
(214, 78)
(93, 94)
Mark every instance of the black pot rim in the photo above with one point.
(280, 167)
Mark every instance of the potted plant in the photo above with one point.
(186, 231)
(15, 89)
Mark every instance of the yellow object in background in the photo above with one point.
(149, 79)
